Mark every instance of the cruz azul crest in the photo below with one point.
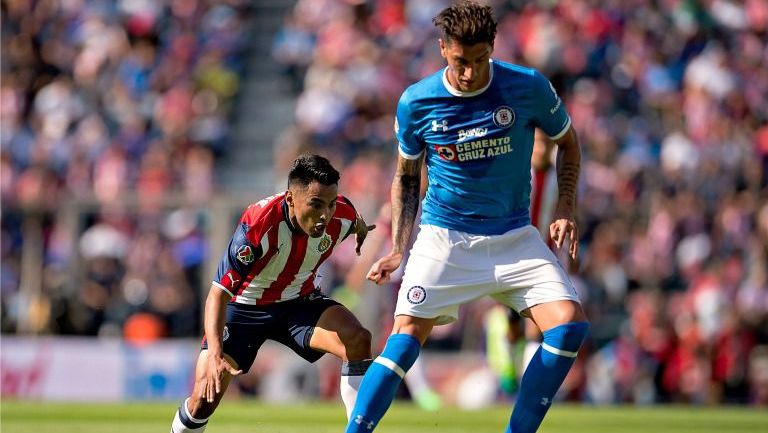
(503, 117)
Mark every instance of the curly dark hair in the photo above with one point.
(309, 168)
(467, 23)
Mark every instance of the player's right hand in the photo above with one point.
(217, 367)
(382, 270)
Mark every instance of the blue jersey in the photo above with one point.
(479, 145)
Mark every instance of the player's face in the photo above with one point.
(312, 207)
(468, 66)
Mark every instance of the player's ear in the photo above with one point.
(289, 197)
(441, 42)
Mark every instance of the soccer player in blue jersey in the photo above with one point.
(473, 123)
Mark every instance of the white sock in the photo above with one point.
(416, 379)
(184, 422)
(348, 387)
(352, 373)
(530, 349)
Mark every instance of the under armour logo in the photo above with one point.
(439, 126)
(545, 401)
(368, 424)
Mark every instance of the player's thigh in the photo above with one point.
(245, 330)
(548, 315)
(528, 272)
(298, 325)
(338, 332)
(445, 269)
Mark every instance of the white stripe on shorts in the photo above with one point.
(390, 364)
(557, 351)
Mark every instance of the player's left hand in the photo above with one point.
(564, 228)
(361, 232)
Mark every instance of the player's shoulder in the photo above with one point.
(514, 71)
(344, 208)
(428, 87)
(263, 211)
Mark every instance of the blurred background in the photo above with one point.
(134, 132)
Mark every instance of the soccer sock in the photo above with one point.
(183, 422)
(381, 381)
(530, 349)
(351, 375)
(418, 386)
(545, 374)
(416, 379)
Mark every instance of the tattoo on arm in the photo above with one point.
(405, 201)
(568, 169)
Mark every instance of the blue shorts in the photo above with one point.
(290, 323)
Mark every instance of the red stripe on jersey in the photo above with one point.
(537, 196)
(262, 216)
(262, 262)
(334, 231)
(295, 259)
(344, 209)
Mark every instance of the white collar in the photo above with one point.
(455, 92)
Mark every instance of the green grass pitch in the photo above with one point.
(243, 416)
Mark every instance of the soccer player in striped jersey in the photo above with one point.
(472, 123)
(265, 289)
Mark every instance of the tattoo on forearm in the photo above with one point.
(568, 179)
(405, 205)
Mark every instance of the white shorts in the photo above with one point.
(448, 268)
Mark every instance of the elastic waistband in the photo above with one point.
(311, 296)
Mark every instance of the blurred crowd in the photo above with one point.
(119, 108)
(670, 100)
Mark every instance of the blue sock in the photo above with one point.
(381, 381)
(545, 374)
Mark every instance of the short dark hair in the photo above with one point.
(310, 168)
(467, 23)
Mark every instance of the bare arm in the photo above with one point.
(405, 201)
(214, 318)
(405, 206)
(568, 169)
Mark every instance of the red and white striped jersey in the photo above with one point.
(270, 260)
(543, 200)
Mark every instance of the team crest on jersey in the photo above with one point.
(503, 117)
(245, 254)
(324, 244)
(446, 152)
(416, 295)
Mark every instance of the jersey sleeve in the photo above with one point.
(405, 129)
(550, 115)
(345, 210)
(237, 261)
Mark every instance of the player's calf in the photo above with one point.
(184, 422)
(357, 343)
(382, 380)
(545, 374)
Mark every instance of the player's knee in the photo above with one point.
(568, 336)
(357, 342)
